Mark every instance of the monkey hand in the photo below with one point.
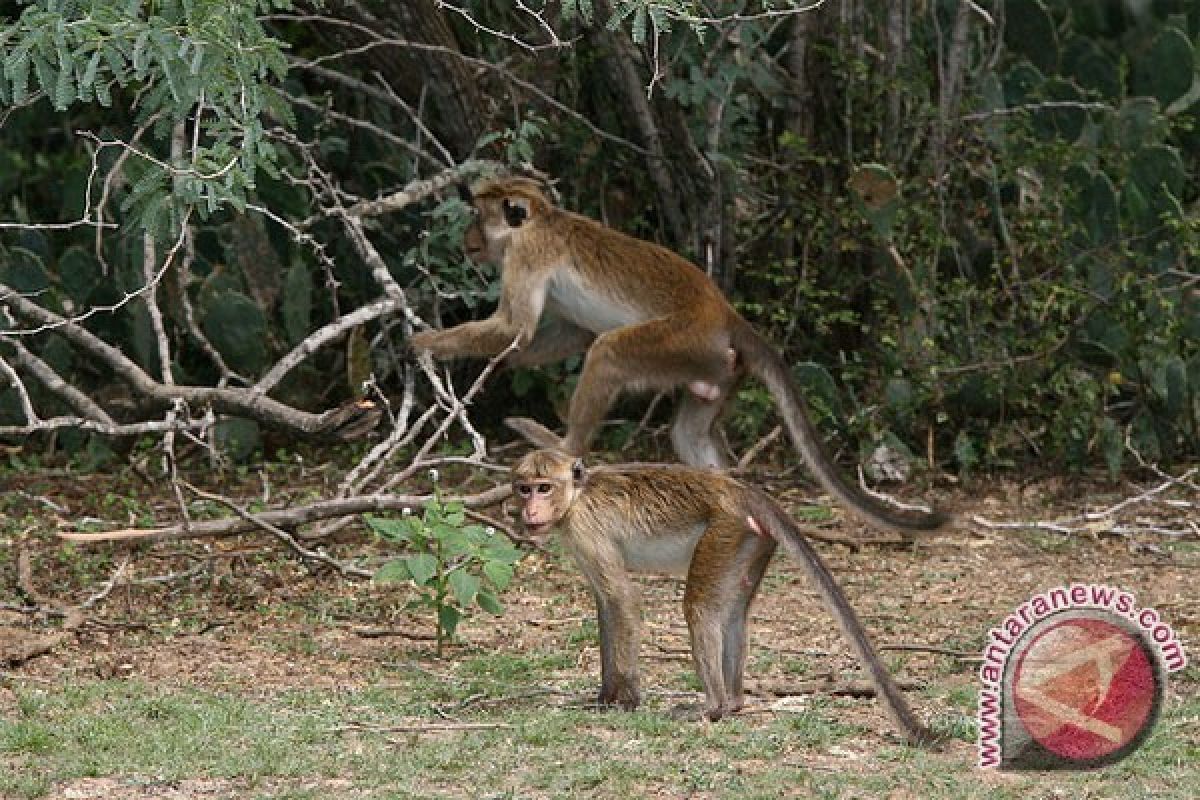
(424, 342)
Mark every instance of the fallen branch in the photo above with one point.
(18, 645)
(286, 517)
(287, 538)
(830, 687)
(1105, 521)
(385, 633)
(959, 655)
(241, 402)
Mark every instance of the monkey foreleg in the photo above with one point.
(479, 339)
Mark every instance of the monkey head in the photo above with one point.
(503, 206)
(546, 482)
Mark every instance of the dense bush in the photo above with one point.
(975, 231)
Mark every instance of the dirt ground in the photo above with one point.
(241, 614)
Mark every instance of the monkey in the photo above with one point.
(647, 319)
(701, 523)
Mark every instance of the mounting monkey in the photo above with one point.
(648, 319)
(717, 531)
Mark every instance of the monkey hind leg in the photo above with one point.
(696, 430)
(704, 625)
(726, 569)
(736, 628)
(665, 353)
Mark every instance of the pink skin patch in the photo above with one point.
(711, 391)
(754, 526)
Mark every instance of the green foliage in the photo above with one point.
(237, 438)
(236, 326)
(1029, 31)
(453, 566)
(1166, 69)
(1035, 304)
(206, 61)
(296, 304)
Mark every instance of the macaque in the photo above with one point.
(648, 319)
(704, 524)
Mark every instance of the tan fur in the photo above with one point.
(648, 320)
(706, 525)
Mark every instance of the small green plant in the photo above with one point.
(454, 566)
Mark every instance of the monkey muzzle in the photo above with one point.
(537, 528)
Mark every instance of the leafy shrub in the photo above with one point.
(453, 566)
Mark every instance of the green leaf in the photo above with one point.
(237, 327)
(454, 514)
(965, 452)
(503, 551)
(1029, 30)
(1167, 69)
(64, 90)
(238, 438)
(465, 586)
(1112, 445)
(489, 603)
(390, 528)
(392, 572)
(448, 619)
(297, 302)
(498, 574)
(455, 544)
(639, 25)
(1174, 383)
(422, 567)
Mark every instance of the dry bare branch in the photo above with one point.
(288, 517)
(1108, 520)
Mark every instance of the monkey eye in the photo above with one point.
(544, 488)
(523, 490)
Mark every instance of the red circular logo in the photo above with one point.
(1086, 688)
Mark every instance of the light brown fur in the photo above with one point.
(718, 531)
(648, 320)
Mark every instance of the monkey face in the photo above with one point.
(543, 504)
(546, 482)
(504, 207)
(486, 240)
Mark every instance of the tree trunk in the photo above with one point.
(686, 184)
(419, 76)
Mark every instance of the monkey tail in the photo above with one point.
(765, 517)
(764, 363)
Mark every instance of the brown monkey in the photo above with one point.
(648, 320)
(706, 525)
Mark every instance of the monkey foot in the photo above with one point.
(535, 433)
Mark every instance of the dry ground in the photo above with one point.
(252, 622)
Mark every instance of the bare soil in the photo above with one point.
(250, 618)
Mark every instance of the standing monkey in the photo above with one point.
(706, 525)
(648, 319)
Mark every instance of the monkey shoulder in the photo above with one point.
(674, 488)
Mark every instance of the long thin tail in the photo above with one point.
(764, 363)
(767, 518)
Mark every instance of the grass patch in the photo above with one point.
(278, 745)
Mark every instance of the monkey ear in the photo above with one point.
(577, 472)
(516, 211)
